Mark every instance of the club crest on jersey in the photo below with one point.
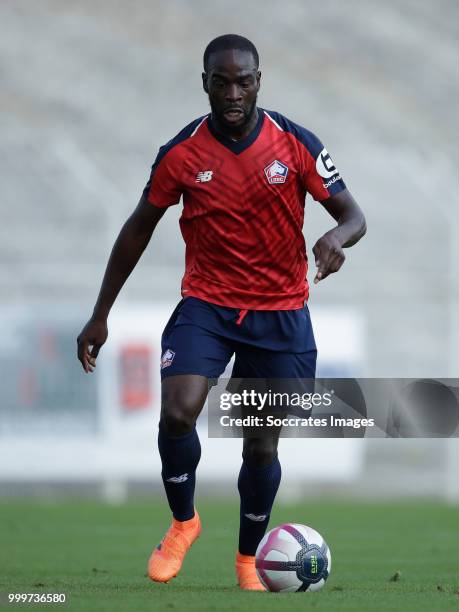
(167, 358)
(276, 172)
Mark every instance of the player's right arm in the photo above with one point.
(129, 246)
(164, 189)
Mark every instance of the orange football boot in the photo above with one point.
(247, 577)
(167, 558)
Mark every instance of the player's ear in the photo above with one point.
(204, 82)
(258, 79)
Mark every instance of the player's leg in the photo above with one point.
(260, 473)
(183, 397)
(258, 482)
(191, 356)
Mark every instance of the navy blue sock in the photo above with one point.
(257, 488)
(180, 457)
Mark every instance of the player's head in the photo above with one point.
(231, 79)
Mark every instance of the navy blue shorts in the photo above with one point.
(200, 338)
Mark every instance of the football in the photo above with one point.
(293, 557)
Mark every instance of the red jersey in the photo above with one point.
(243, 209)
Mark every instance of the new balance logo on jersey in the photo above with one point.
(256, 517)
(178, 479)
(167, 358)
(204, 177)
(276, 172)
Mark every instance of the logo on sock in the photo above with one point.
(178, 479)
(256, 517)
(167, 358)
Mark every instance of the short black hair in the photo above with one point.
(230, 41)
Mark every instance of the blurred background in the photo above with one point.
(90, 90)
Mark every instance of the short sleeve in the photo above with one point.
(321, 177)
(164, 187)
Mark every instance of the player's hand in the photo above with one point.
(329, 255)
(92, 337)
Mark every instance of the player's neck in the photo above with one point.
(238, 133)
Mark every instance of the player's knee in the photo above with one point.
(178, 414)
(180, 407)
(259, 452)
(176, 422)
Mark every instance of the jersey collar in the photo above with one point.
(238, 146)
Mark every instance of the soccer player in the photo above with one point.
(243, 173)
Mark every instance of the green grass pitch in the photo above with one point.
(97, 554)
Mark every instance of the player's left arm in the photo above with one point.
(328, 250)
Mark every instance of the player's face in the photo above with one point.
(232, 82)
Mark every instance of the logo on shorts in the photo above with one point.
(167, 358)
(276, 172)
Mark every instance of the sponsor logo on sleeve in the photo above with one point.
(326, 168)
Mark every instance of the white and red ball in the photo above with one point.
(293, 557)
